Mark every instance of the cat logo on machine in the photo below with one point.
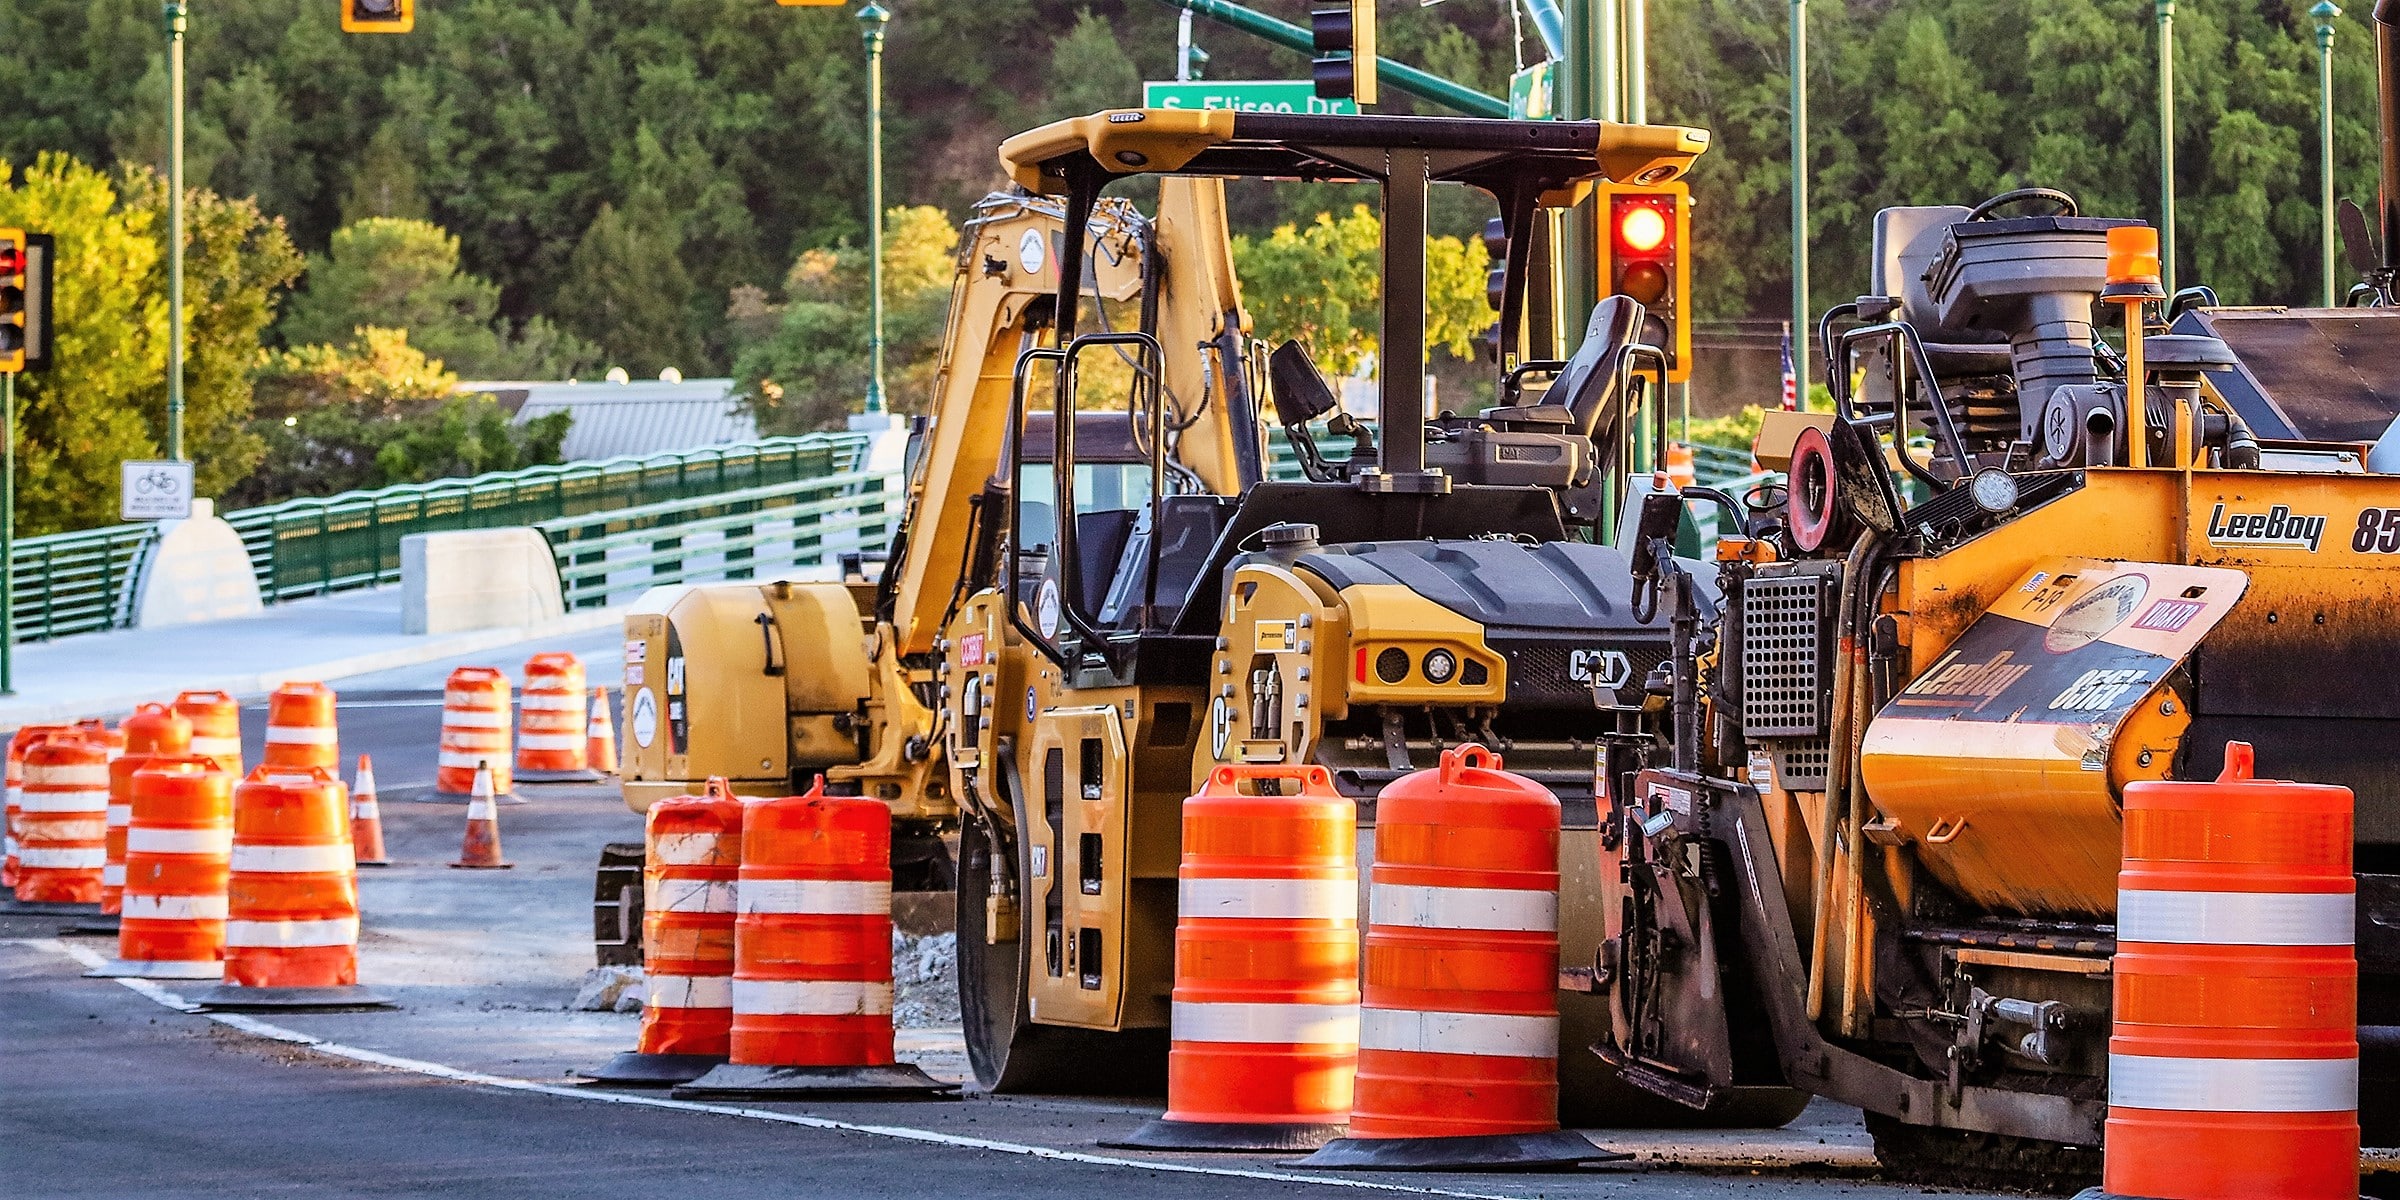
(1605, 668)
(2278, 526)
(1220, 727)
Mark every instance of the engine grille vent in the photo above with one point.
(1787, 655)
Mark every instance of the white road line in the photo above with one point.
(258, 1028)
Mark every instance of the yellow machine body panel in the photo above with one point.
(1997, 761)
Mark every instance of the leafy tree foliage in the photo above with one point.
(1323, 285)
(805, 367)
(401, 273)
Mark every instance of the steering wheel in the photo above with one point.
(2061, 204)
(1766, 497)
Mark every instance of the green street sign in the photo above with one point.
(1532, 93)
(1277, 96)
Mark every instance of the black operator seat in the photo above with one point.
(1594, 380)
(1192, 524)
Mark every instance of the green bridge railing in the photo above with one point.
(612, 557)
(85, 581)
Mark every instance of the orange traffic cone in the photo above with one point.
(366, 820)
(481, 850)
(600, 737)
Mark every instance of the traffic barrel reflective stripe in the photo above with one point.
(366, 818)
(216, 727)
(474, 732)
(301, 728)
(479, 848)
(178, 864)
(551, 731)
(62, 821)
(600, 736)
(1458, 1024)
(152, 730)
(812, 975)
(18, 744)
(1264, 1028)
(292, 919)
(2233, 1055)
(692, 860)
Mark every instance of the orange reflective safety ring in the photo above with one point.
(291, 920)
(301, 730)
(62, 821)
(152, 730)
(812, 955)
(474, 733)
(1265, 1026)
(2233, 1055)
(216, 727)
(600, 736)
(178, 856)
(691, 862)
(18, 744)
(366, 818)
(551, 734)
(479, 849)
(1458, 1017)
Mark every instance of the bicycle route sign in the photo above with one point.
(155, 491)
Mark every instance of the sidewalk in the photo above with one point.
(326, 637)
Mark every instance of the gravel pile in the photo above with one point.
(925, 980)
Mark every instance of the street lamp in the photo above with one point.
(2325, 12)
(175, 24)
(871, 22)
(2166, 144)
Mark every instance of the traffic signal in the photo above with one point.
(1642, 256)
(378, 16)
(13, 279)
(1345, 47)
(1495, 282)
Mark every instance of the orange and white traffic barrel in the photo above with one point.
(2233, 1055)
(600, 736)
(18, 743)
(552, 737)
(178, 858)
(1681, 470)
(366, 818)
(474, 733)
(1458, 1017)
(62, 821)
(691, 863)
(152, 730)
(302, 730)
(1265, 1025)
(216, 727)
(291, 921)
(97, 732)
(812, 947)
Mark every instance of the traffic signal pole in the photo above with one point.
(8, 533)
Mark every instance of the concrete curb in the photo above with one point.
(14, 713)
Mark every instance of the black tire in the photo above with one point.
(1960, 1158)
(1007, 1051)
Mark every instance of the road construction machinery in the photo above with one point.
(1862, 827)
(771, 684)
(1438, 582)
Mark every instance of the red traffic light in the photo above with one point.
(1641, 227)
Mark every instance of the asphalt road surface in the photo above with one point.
(467, 1089)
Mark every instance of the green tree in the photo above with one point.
(626, 289)
(1090, 71)
(404, 274)
(1323, 285)
(806, 365)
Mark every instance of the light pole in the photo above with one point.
(175, 21)
(2166, 144)
(1800, 325)
(2325, 12)
(871, 22)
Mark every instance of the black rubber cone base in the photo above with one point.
(524, 776)
(463, 797)
(12, 907)
(735, 1081)
(374, 862)
(1165, 1134)
(233, 998)
(1500, 1152)
(636, 1069)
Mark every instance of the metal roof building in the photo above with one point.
(639, 417)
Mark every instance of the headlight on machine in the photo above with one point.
(1440, 666)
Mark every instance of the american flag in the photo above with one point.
(1791, 384)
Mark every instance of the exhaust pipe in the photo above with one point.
(2387, 84)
